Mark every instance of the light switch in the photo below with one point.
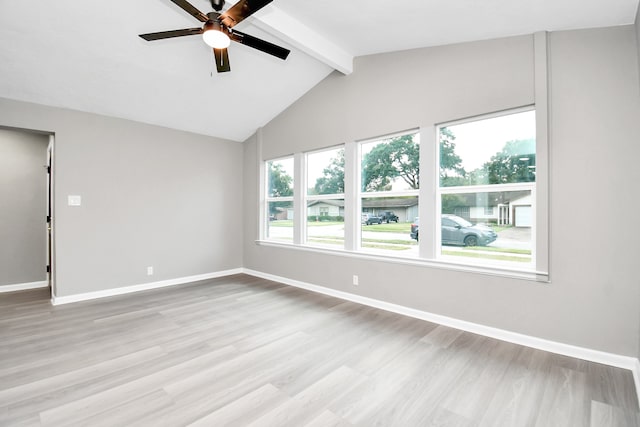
(74, 200)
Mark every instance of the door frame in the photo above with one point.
(50, 224)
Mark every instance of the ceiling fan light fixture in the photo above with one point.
(214, 36)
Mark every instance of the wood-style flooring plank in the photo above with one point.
(604, 415)
(243, 351)
(312, 401)
(245, 409)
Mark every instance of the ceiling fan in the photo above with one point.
(218, 32)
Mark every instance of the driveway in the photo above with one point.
(514, 238)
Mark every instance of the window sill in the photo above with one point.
(446, 264)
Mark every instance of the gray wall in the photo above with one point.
(151, 196)
(592, 299)
(23, 207)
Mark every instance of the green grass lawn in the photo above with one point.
(281, 223)
(289, 223)
(340, 240)
(482, 252)
(392, 227)
(392, 245)
(501, 250)
(486, 256)
(387, 247)
(401, 227)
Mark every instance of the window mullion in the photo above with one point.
(262, 188)
(352, 202)
(299, 199)
(429, 204)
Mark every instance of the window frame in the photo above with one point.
(361, 195)
(429, 198)
(481, 188)
(264, 229)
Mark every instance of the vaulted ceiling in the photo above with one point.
(86, 55)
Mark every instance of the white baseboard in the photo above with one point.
(625, 362)
(142, 287)
(23, 286)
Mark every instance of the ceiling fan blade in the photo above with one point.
(261, 45)
(170, 34)
(241, 10)
(222, 60)
(191, 10)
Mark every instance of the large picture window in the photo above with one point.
(486, 189)
(481, 206)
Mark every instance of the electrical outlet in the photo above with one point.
(355, 280)
(150, 271)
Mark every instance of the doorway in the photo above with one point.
(26, 210)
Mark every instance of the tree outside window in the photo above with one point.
(280, 186)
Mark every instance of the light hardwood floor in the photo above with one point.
(243, 351)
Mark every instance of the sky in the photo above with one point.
(318, 162)
(477, 141)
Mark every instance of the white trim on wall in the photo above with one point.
(23, 286)
(624, 362)
(55, 300)
(51, 240)
(541, 190)
(636, 379)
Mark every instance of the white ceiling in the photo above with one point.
(85, 55)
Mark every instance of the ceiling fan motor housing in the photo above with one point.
(217, 5)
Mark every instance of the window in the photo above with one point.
(279, 200)
(484, 202)
(389, 183)
(325, 198)
(486, 189)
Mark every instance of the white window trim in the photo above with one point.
(262, 188)
(432, 263)
(352, 203)
(541, 76)
(429, 196)
(263, 226)
(490, 188)
(485, 188)
(427, 248)
(356, 168)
